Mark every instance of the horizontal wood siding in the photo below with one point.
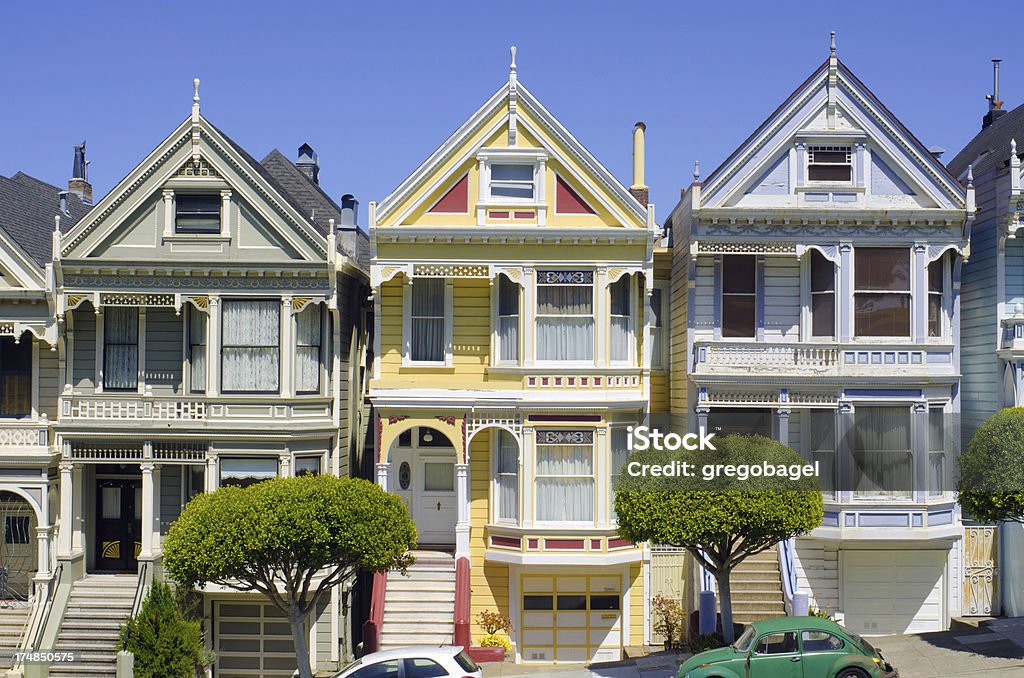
(635, 632)
(659, 391)
(679, 312)
(488, 581)
(164, 351)
(170, 495)
(781, 299)
(324, 638)
(817, 572)
(84, 349)
(704, 300)
(49, 381)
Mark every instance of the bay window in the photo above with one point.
(882, 455)
(246, 471)
(120, 349)
(15, 377)
(308, 333)
(427, 321)
(823, 296)
(881, 299)
(506, 476)
(565, 476)
(936, 296)
(565, 315)
(739, 294)
(508, 320)
(197, 349)
(251, 346)
(621, 322)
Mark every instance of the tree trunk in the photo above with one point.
(725, 603)
(297, 622)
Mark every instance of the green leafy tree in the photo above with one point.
(719, 521)
(166, 642)
(291, 539)
(991, 484)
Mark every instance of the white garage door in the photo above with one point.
(252, 640)
(886, 592)
(571, 619)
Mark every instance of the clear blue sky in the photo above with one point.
(374, 87)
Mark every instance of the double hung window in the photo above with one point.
(883, 460)
(881, 299)
(251, 351)
(565, 476)
(120, 349)
(427, 321)
(619, 457)
(936, 451)
(246, 471)
(739, 295)
(565, 315)
(197, 349)
(829, 163)
(936, 296)
(15, 377)
(198, 213)
(308, 333)
(513, 182)
(621, 320)
(508, 320)
(823, 296)
(657, 329)
(506, 476)
(823, 447)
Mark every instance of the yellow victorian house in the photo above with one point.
(512, 282)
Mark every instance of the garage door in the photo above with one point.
(252, 640)
(887, 592)
(571, 619)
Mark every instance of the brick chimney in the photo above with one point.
(639, 189)
(79, 181)
(309, 163)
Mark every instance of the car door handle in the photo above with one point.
(438, 506)
(795, 659)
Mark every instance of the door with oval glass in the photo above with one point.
(423, 464)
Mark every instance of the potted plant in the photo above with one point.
(671, 620)
(493, 645)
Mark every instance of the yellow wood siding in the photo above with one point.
(488, 581)
(679, 385)
(659, 391)
(636, 606)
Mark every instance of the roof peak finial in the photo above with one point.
(512, 66)
(970, 176)
(1013, 146)
(195, 86)
(832, 43)
(696, 170)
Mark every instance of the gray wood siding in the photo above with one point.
(981, 377)
(163, 350)
(170, 495)
(704, 300)
(49, 377)
(84, 349)
(324, 637)
(781, 299)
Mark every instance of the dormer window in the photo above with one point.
(512, 181)
(829, 163)
(199, 213)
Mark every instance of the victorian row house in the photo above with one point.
(202, 325)
(817, 276)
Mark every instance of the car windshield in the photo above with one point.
(743, 643)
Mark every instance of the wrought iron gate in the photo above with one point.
(981, 571)
(17, 548)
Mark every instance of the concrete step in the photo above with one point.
(400, 639)
(416, 606)
(393, 619)
(440, 584)
(422, 575)
(88, 624)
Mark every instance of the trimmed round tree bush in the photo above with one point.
(722, 520)
(291, 539)
(991, 486)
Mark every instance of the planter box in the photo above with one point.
(486, 654)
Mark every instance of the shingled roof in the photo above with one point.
(991, 146)
(27, 209)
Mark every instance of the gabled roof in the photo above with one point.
(27, 210)
(880, 117)
(521, 98)
(991, 146)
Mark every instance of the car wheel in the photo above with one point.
(851, 673)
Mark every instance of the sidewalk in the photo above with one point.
(659, 665)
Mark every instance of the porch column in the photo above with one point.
(462, 510)
(285, 465)
(66, 509)
(211, 473)
(213, 347)
(844, 450)
(702, 418)
(919, 424)
(382, 475)
(157, 540)
(147, 511)
(783, 418)
(43, 551)
(287, 347)
(77, 515)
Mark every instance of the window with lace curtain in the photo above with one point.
(427, 341)
(506, 476)
(658, 347)
(882, 454)
(120, 349)
(565, 476)
(619, 457)
(197, 349)
(251, 346)
(508, 321)
(565, 315)
(308, 333)
(621, 320)
(15, 377)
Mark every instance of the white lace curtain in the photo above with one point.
(620, 455)
(120, 349)
(427, 320)
(251, 350)
(565, 482)
(565, 322)
(507, 475)
(883, 460)
(620, 318)
(308, 332)
(197, 348)
(508, 320)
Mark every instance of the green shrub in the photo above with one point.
(166, 643)
(992, 469)
(821, 613)
(706, 641)
(494, 640)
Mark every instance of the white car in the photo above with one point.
(415, 661)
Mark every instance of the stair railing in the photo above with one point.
(787, 567)
(372, 626)
(47, 606)
(141, 586)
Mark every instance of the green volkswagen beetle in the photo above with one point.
(791, 647)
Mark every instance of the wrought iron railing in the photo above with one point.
(51, 591)
(140, 594)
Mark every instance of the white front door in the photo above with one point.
(424, 477)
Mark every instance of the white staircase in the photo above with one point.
(99, 604)
(13, 618)
(419, 608)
